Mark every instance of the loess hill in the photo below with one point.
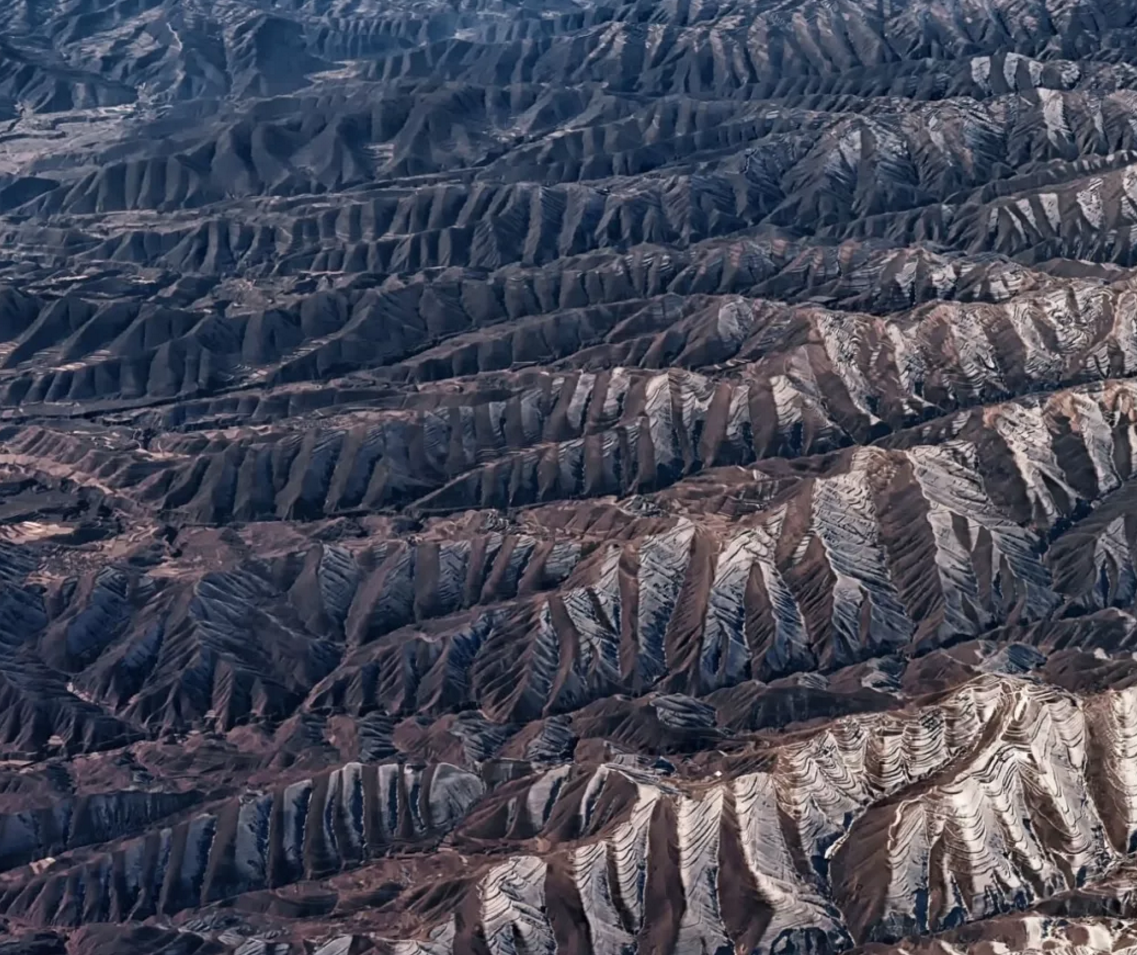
(509, 477)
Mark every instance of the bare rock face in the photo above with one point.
(592, 477)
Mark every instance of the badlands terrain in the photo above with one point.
(568, 477)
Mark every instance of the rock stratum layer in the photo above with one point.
(481, 477)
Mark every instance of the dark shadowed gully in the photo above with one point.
(568, 477)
